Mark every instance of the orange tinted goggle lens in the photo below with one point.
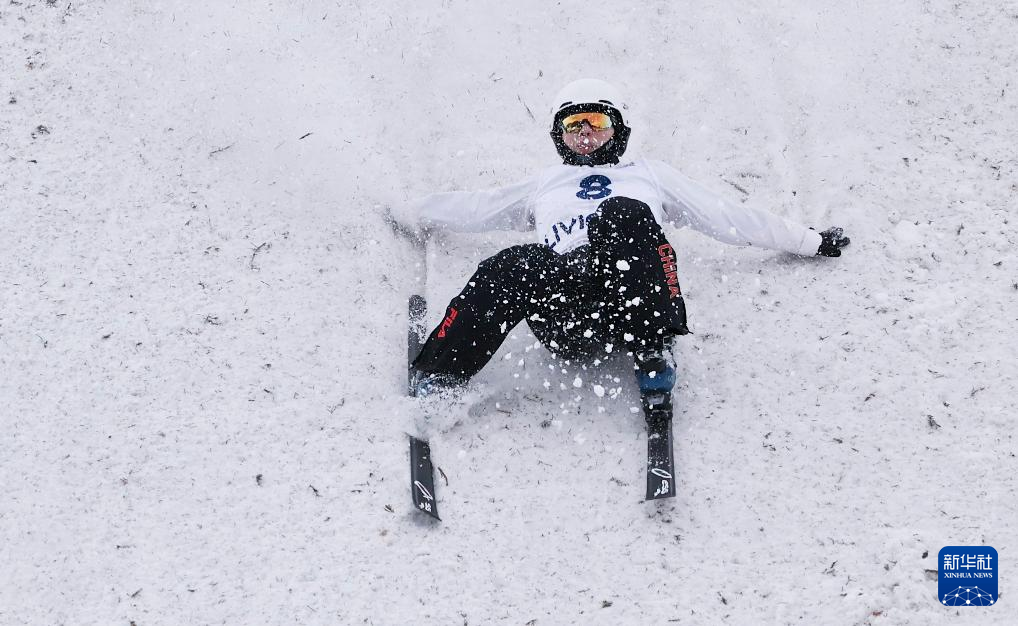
(597, 121)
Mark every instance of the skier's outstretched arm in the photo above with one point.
(502, 208)
(686, 203)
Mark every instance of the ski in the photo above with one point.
(422, 477)
(417, 310)
(422, 472)
(660, 460)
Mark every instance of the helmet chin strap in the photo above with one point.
(604, 155)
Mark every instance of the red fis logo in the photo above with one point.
(667, 254)
(447, 322)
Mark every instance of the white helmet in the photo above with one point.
(588, 91)
(589, 94)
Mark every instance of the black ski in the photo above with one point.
(422, 477)
(417, 310)
(660, 460)
(422, 473)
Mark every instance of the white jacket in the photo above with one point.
(558, 200)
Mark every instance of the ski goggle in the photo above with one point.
(597, 121)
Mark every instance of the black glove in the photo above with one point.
(833, 241)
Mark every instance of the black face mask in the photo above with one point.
(609, 153)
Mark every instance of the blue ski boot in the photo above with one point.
(655, 375)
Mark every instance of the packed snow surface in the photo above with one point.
(203, 315)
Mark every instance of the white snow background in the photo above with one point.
(203, 315)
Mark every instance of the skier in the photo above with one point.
(603, 277)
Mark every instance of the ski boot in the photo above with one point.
(432, 384)
(655, 376)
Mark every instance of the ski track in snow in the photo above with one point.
(202, 316)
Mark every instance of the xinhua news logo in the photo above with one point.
(968, 576)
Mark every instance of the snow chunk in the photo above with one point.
(628, 337)
(577, 382)
(608, 348)
(599, 391)
(622, 265)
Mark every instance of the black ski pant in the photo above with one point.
(619, 292)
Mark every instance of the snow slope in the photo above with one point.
(202, 316)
